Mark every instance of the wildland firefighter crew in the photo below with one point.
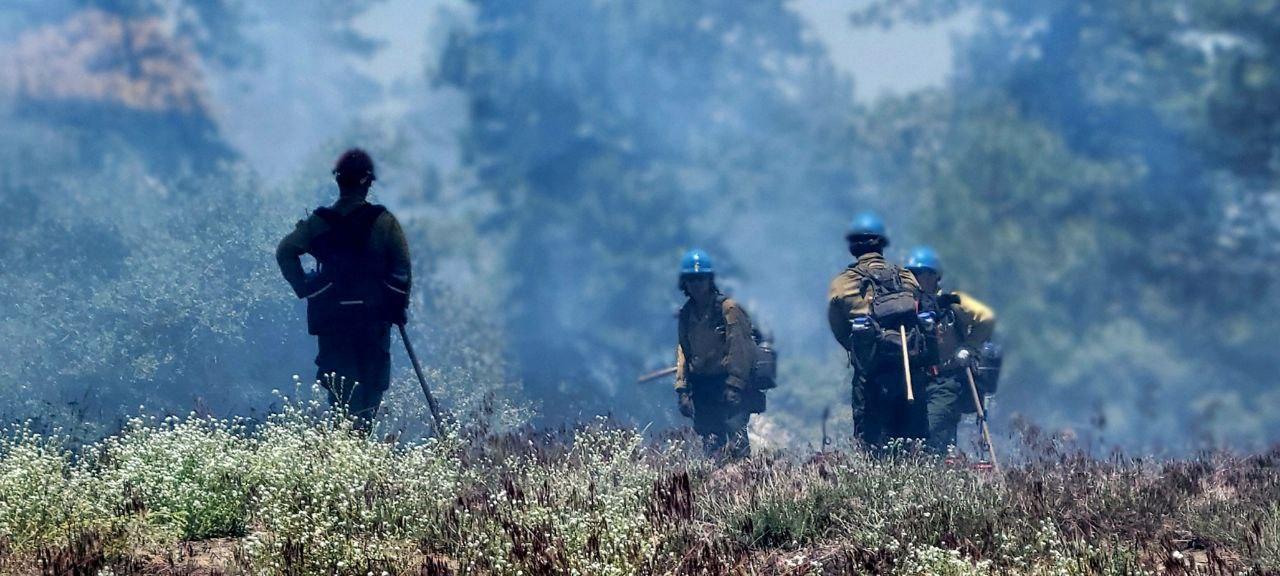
(872, 311)
(718, 383)
(359, 290)
(962, 327)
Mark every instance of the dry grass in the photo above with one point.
(302, 494)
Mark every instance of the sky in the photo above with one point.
(883, 62)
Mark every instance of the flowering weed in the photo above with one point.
(304, 493)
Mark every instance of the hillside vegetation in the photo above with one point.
(302, 494)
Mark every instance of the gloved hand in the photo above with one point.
(398, 315)
(965, 358)
(928, 321)
(686, 404)
(862, 329)
(312, 284)
(396, 301)
(732, 396)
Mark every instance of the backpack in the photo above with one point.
(764, 372)
(893, 305)
(351, 277)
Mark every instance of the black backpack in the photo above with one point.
(893, 311)
(350, 278)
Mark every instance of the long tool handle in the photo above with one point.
(826, 415)
(982, 419)
(906, 362)
(417, 369)
(656, 375)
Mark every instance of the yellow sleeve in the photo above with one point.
(844, 301)
(741, 348)
(681, 383)
(682, 365)
(979, 320)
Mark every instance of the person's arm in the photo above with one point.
(399, 266)
(684, 395)
(842, 299)
(682, 380)
(289, 257)
(740, 354)
(682, 362)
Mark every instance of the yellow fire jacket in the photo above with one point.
(715, 341)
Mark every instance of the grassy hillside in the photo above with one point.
(301, 494)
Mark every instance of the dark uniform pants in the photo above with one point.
(354, 365)
(723, 428)
(881, 412)
(946, 399)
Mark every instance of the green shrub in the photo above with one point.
(187, 476)
(37, 501)
(328, 499)
(303, 493)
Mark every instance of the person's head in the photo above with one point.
(927, 268)
(866, 234)
(354, 172)
(697, 276)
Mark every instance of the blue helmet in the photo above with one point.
(924, 257)
(867, 224)
(696, 262)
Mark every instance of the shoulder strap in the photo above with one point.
(887, 280)
(361, 221)
(860, 274)
(721, 302)
(329, 215)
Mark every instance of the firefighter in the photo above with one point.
(871, 306)
(359, 290)
(963, 329)
(714, 362)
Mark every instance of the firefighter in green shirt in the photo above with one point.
(359, 290)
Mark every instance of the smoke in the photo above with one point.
(552, 159)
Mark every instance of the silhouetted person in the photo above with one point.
(359, 290)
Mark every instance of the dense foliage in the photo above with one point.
(612, 136)
(1109, 158)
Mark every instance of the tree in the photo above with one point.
(612, 136)
(1154, 97)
